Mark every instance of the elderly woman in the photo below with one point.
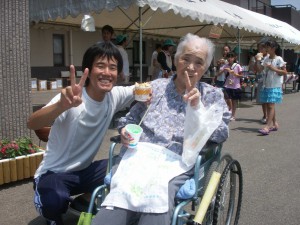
(164, 123)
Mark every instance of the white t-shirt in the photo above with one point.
(125, 60)
(77, 133)
(271, 78)
(155, 69)
(154, 56)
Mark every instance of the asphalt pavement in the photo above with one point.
(270, 165)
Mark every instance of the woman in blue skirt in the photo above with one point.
(274, 68)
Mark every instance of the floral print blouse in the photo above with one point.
(164, 123)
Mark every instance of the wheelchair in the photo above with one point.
(224, 207)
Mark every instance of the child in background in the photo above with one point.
(274, 68)
(233, 83)
(260, 56)
(220, 77)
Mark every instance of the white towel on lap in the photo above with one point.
(141, 181)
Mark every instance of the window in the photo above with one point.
(136, 52)
(58, 50)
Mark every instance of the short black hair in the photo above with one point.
(108, 28)
(101, 49)
(272, 44)
(230, 54)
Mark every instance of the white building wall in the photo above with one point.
(41, 48)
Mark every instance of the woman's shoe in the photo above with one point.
(264, 131)
(273, 129)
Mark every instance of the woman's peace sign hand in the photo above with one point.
(71, 95)
(192, 93)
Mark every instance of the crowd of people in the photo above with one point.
(269, 69)
(80, 115)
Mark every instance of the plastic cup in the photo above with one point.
(142, 92)
(135, 132)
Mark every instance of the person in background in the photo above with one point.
(107, 33)
(219, 79)
(233, 83)
(168, 107)
(121, 41)
(222, 75)
(251, 63)
(226, 50)
(260, 56)
(165, 58)
(274, 68)
(80, 116)
(155, 65)
(297, 71)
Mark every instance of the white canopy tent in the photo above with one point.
(165, 18)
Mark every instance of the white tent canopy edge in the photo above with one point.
(161, 17)
(192, 13)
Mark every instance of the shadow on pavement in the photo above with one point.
(68, 218)
(246, 130)
(16, 184)
(248, 120)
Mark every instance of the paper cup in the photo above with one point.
(135, 132)
(142, 92)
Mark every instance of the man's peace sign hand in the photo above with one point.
(192, 93)
(71, 95)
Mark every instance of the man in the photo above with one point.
(107, 33)
(164, 57)
(155, 66)
(80, 116)
(121, 41)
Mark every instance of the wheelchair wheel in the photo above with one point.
(224, 162)
(229, 195)
(209, 214)
(218, 166)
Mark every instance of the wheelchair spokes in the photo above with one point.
(229, 195)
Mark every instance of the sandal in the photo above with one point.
(273, 129)
(264, 131)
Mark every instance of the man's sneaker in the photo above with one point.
(263, 120)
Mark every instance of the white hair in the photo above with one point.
(197, 43)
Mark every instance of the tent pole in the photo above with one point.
(239, 46)
(282, 47)
(141, 45)
(71, 46)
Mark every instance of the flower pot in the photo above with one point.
(13, 170)
(19, 168)
(1, 174)
(6, 170)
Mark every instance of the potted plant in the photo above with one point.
(18, 159)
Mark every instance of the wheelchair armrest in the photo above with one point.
(116, 139)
